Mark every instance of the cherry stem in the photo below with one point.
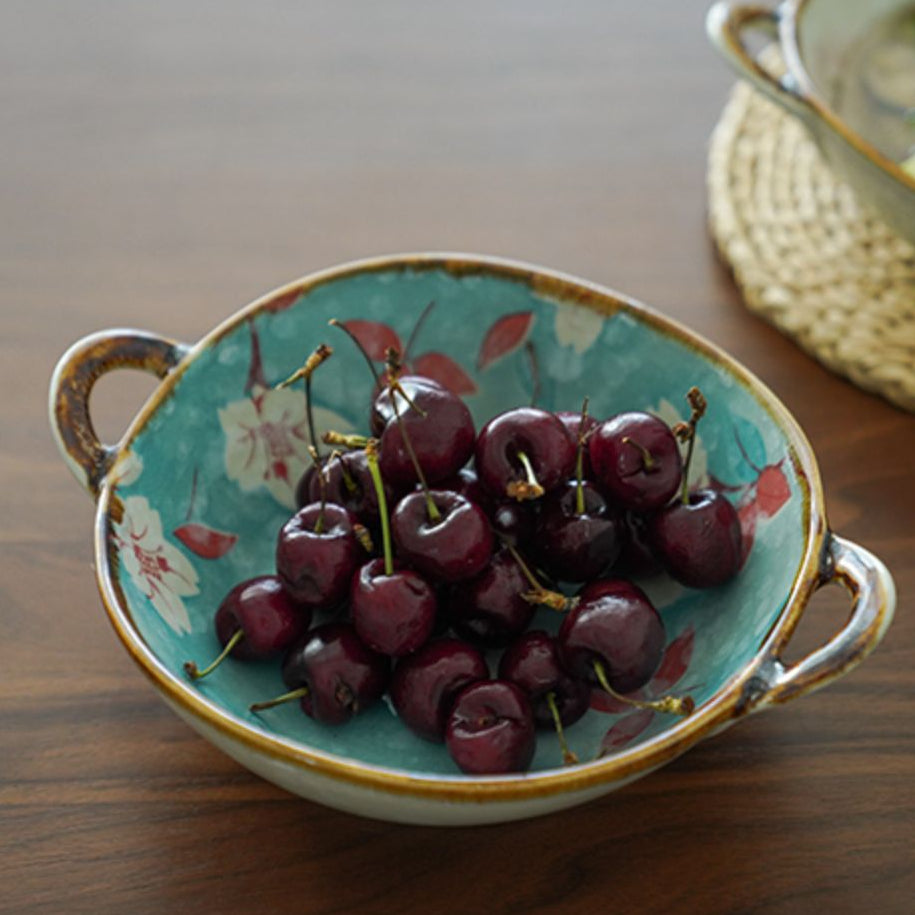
(671, 705)
(368, 359)
(291, 696)
(538, 594)
(320, 355)
(417, 327)
(431, 508)
(535, 371)
(687, 432)
(322, 485)
(371, 455)
(580, 461)
(648, 462)
(354, 442)
(568, 757)
(394, 366)
(529, 487)
(349, 481)
(190, 668)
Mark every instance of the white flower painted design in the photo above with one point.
(578, 327)
(157, 568)
(267, 439)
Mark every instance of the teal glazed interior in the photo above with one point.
(206, 479)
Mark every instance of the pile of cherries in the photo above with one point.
(422, 548)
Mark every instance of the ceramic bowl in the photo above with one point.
(190, 500)
(819, 41)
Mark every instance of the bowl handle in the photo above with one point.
(727, 24)
(72, 382)
(873, 594)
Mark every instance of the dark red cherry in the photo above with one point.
(393, 614)
(416, 386)
(466, 483)
(513, 521)
(637, 558)
(442, 437)
(456, 546)
(337, 674)
(348, 483)
(574, 428)
(616, 625)
(316, 555)
(523, 453)
(533, 663)
(573, 545)
(698, 542)
(257, 619)
(489, 609)
(635, 459)
(425, 683)
(491, 729)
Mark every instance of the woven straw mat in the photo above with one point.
(806, 256)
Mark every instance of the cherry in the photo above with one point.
(514, 522)
(425, 683)
(490, 729)
(578, 534)
(637, 558)
(332, 673)
(466, 483)
(454, 545)
(699, 541)
(523, 453)
(557, 699)
(393, 609)
(256, 619)
(416, 388)
(576, 428)
(635, 460)
(316, 555)
(442, 437)
(614, 626)
(347, 482)
(491, 609)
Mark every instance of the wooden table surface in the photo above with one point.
(161, 164)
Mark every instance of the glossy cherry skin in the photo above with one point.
(533, 663)
(347, 482)
(417, 387)
(466, 483)
(425, 683)
(617, 449)
(699, 542)
(637, 558)
(393, 614)
(442, 437)
(617, 624)
(514, 522)
(316, 568)
(342, 675)
(265, 613)
(540, 435)
(491, 729)
(488, 609)
(577, 547)
(574, 427)
(456, 546)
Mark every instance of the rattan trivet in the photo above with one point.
(806, 256)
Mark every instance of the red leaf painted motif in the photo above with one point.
(206, 542)
(772, 490)
(674, 663)
(446, 372)
(374, 336)
(626, 730)
(504, 337)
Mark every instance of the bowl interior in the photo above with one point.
(208, 475)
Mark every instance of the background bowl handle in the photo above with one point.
(74, 377)
(727, 24)
(873, 602)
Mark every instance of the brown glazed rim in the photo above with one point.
(738, 697)
(790, 22)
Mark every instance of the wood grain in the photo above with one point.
(165, 163)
